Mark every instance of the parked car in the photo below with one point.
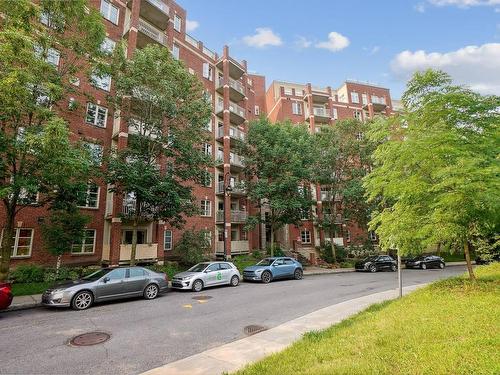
(104, 285)
(5, 295)
(376, 263)
(269, 269)
(487, 260)
(207, 274)
(425, 261)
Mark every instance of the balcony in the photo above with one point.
(143, 252)
(154, 11)
(319, 95)
(237, 247)
(236, 70)
(235, 134)
(327, 196)
(147, 33)
(128, 209)
(236, 162)
(236, 89)
(238, 189)
(321, 114)
(338, 218)
(237, 217)
(237, 113)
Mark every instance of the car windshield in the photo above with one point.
(96, 275)
(266, 262)
(199, 267)
(370, 259)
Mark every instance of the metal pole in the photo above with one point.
(400, 277)
(224, 236)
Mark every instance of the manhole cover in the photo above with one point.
(91, 338)
(202, 298)
(253, 329)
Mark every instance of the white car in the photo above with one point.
(207, 274)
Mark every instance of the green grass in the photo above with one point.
(449, 327)
(26, 289)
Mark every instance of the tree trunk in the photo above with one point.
(467, 259)
(438, 250)
(332, 244)
(134, 243)
(7, 239)
(272, 241)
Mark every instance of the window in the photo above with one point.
(288, 91)
(108, 45)
(305, 236)
(127, 237)
(288, 261)
(364, 97)
(207, 149)
(213, 267)
(175, 51)
(117, 274)
(208, 71)
(23, 240)
(136, 272)
(304, 214)
(249, 81)
(90, 197)
(109, 11)
(167, 240)
(357, 115)
(354, 97)
(257, 110)
(95, 151)
(335, 114)
(206, 208)
(208, 126)
(75, 81)
(45, 18)
(359, 136)
(298, 92)
(224, 266)
(96, 115)
(53, 56)
(87, 245)
(102, 82)
(177, 23)
(373, 236)
(296, 108)
(28, 198)
(207, 179)
(208, 238)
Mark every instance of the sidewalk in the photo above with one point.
(235, 355)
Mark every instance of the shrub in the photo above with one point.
(192, 247)
(327, 255)
(256, 254)
(28, 273)
(278, 252)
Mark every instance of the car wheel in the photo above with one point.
(197, 286)
(393, 268)
(441, 265)
(297, 275)
(235, 280)
(151, 291)
(373, 268)
(423, 266)
(82, 300)
(266, 277)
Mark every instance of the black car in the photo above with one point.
(425, 261)
(376, 263)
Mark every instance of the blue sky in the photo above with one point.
(327, 41)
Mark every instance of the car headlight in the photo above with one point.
(259, 271)
(417, 262)
(57, 293)
(187, 277)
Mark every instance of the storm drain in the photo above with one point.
(253, 329)
(202, 298)
(90, 338)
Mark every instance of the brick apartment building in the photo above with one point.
(237, 98)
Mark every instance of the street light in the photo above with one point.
(227, 192)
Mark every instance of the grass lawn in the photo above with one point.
(30, 288)
(449, 327)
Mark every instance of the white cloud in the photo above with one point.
(372, 51)
(475, 66)
(336, 42)
(464, 3)
(263, 37)
(191, 25)
(302, 42)
(420, 7)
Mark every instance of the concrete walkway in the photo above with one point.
(235, 355)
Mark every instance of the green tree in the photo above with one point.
(278, 160)
(166, 112)
(192, 247)
(35, 153)
(436, 173)
(343, 157)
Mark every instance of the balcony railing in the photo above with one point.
(237, 85)
(323, 112)
(142, 252)
(237, 247)
(236, 216)
(237, 188)
(235, 108)
(152, 32)
(236, 160)
(338, 218)
(160, 5)
(128, 208)
(234, 133)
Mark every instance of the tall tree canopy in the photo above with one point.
(437, 172)
(166, 112)
(42, 47)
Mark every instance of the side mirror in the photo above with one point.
(106, 279)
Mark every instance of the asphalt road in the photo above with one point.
(148, 334)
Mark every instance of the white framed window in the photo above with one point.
(177, 23)
(45, 18)
(382, 99)
(175, 51)
(206, 208)
(373, 236)
(364, 98)
(87, 245)
(299, 92)
(208, 126)
(207, 179)
(75, 81)
(90, 197)
(168, 240)
(208, 71)
(357, 115)
(305, 236)
(335, 114)
(359, 136)
(207, 149)
(288, 91)
(102, 82)
(296, 108)
(257, 110)
(96, 115)
(208, 237)
(108, 45)
(23, 242)
(53, 56)
(110, 12)
(354, 97)
(96, 151)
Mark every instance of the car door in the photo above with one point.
(289, 267)
(279, 268)
(136, 281)
(112, 285)
(212, 274)
(226, 272)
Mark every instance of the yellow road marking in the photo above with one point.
(201, 301)
(189, 306)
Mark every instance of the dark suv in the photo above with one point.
(425, 261)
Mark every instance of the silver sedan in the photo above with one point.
(207, 274)
(104, 285)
